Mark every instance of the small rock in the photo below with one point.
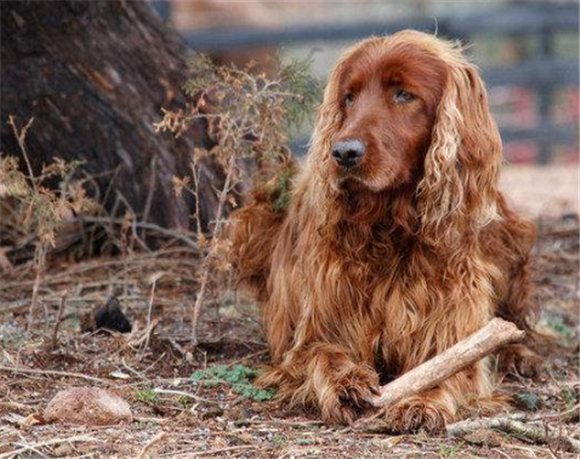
(64, 450)
(107, 317)
(87, 406)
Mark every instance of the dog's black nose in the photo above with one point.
(348, 153)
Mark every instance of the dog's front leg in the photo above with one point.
(343, 388)
(324, 375)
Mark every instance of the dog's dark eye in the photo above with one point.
(402, 96)
(348, 100)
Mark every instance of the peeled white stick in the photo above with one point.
(495, 334)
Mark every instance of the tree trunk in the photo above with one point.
(94, 75)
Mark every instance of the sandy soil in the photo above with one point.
(547, 191)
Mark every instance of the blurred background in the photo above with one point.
(528, 52)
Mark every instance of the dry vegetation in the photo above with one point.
(191, 395)
(248, 116)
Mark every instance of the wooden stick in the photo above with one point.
(513, 425)
(495, 334)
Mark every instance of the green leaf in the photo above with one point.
(239, 377)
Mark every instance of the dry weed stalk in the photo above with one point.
(39, 210)
(249, 118)
(57, 321)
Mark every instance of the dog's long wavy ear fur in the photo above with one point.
(327, 121)
(458, 192)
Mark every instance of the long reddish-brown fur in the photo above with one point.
(374, 270)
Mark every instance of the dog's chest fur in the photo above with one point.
(359, 262)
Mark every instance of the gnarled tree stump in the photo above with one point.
(95, 75)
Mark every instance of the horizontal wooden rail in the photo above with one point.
(550, 133)
(539, 73)
(520, 20)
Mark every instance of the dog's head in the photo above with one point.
(409, 109)
(387, 92)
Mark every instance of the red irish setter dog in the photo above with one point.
(397, 242)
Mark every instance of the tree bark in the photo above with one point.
(95, 75)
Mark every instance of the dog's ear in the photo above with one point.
(329, 116)
(458, 192)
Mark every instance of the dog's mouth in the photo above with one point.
(355, 181)
(347, 173)
(360, 178)
(349, 182)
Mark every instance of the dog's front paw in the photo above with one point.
(519, 360)
(350, 396)
(417, 414)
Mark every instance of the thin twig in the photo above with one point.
(215, 237)
(21, 139)
(40, 251)
(197, 213)
(39, 263)
(570, 415)
(184, 394)
(149, 312)
(151, 192)
(138, 341)
(179, 235)
(34, 371)
(57, 321)
(156, 439)
(134, 235)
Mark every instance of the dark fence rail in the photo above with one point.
(524, 19)
(544, 72)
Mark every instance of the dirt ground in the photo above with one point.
(548, 191)
(178, 416)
